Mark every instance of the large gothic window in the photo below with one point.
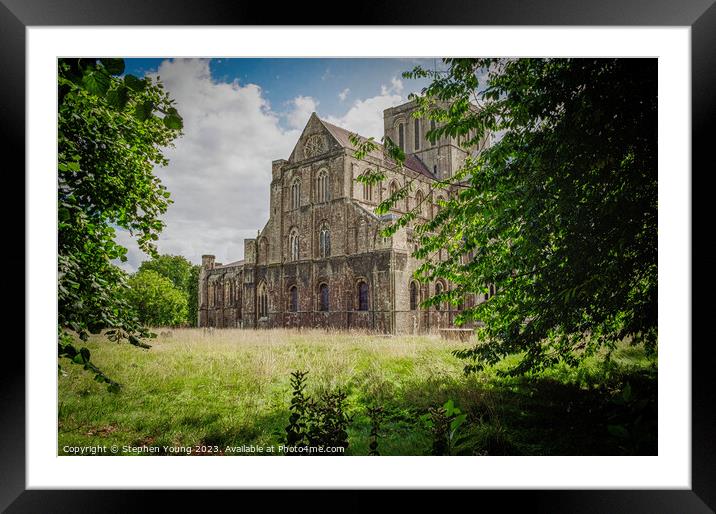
(217, 295)
(367, 192)
(296, 193)
(417, 134)
(293, 245)
(362, 296)
(393, 188)
(323, 297)
(324, 242)
(439, 290)
(262, 301)
(419, 203)
(401, 136)
(413, 296)
(293, 299)
(322, 190)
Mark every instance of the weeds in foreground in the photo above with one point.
(316, 422)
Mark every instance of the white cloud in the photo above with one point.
(220, 170)
(302, 107)
(396, 87)
(366, 116)
(344, 94)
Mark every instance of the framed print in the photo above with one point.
(327, 240)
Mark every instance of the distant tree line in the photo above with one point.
(163, 292)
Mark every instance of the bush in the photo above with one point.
(155, 299)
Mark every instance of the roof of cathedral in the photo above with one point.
(230, 265)
(412, 162)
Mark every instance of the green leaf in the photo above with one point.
(459, 420)
(618, 431)
(449, 406)
(113, 66)
(96, 81)
(134, 83)
(119, 97)
(143, 110)
(626, 392)
(173, 122)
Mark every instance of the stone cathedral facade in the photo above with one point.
(320, 261)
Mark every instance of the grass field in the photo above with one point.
(231, 388)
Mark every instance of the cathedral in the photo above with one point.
(320, 260)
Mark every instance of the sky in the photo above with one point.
(241, 114)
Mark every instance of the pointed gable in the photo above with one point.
(320, 137)
(315, 140)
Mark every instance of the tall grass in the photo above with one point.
(231, 387)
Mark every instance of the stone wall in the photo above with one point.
(358, 252)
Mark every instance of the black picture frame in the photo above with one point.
(700, 15)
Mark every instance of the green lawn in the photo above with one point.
(231, 388)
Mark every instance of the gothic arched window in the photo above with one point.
(419, 204)
(438, 290)
(401, 136)
(324, 242)
(293, 299)
(367, 192)
(296, 193)
(293, 245)
(393, 188)
(322, 189)
(362, 296)
(413, 296)
(323, 297)
(417, 134)
(262, 300)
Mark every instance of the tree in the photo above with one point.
(193, 296)
(183, 274)
(112, 130)
(155, 300)
(560, 212)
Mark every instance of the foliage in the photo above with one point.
(82, 356)
(155, 299)
(183, 274)
(328, 421)
(319, 423)
(445, 422)
(193, 296)
(376, 415)
(632, 415)
(233, 386)
(109, 140)
(296, 429)
(174, 267)
(560, 212)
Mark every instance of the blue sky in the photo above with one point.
(241, 114)
(282, 80)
